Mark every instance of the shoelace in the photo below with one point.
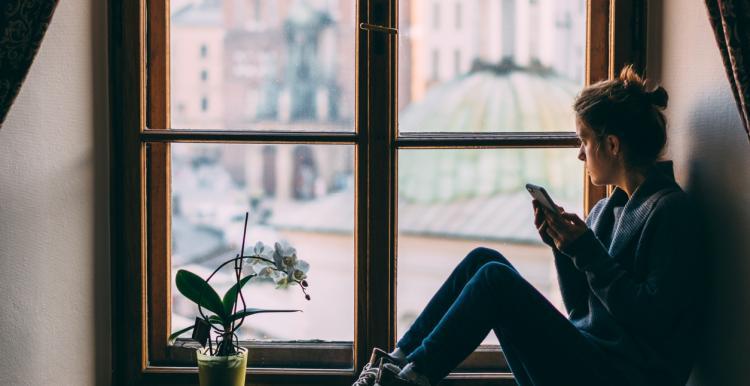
(367, 376)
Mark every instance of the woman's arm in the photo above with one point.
(670, 247)
(574, 287)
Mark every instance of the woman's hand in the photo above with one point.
(541, 223)
(562, 228)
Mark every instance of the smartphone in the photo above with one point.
(541, 195)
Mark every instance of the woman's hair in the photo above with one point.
(626, 108)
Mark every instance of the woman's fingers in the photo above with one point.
(554, 229)
(572, 217)
(538, 217)
(542, 224)
(553, 233)
(538, 214)
(556, 221)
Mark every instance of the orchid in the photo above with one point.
(285, 257)
(221, 315)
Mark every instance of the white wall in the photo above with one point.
(54, 260)
(712, 160)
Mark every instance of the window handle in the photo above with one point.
(378, 28)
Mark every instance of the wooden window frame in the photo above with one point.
(139, 111)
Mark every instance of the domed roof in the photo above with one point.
(486, 101)
(490, 101)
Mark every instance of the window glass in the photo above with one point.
(276, 65)
(300, 193)
(521, 64)
(452, 201)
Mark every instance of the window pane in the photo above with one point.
(513, 66)
(269, 65)
(300, 193)
(452, 201)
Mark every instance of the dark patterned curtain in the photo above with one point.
(730, 20)
(22, 27)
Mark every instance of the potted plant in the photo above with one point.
(221, 360)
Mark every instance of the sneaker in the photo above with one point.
(384, 357)
(372, 367)
(389, 376)
(367, 376)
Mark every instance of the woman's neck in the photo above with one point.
(630, 180)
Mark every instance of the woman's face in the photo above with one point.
(601, 164)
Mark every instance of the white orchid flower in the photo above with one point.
(263, 270)
(262, 250)
(300, 270)
(280, 278)
(261, 267)
(285, 256)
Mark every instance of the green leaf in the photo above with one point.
(178, 333)
(253, 311)
(231, 296)
(198, 290)
(213, 319)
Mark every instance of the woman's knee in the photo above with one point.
(496, 273)
(481, 255)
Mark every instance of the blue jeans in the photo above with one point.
(485, 292)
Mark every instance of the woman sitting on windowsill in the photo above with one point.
(629, 275)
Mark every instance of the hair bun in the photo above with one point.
(659, 97)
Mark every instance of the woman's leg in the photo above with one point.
(446, 295)
(543, 345)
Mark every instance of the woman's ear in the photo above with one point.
(612, 143)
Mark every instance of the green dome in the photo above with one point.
(516, 101)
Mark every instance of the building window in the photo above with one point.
(457, 62)
(458, 16)
(269, 170)
(204, 75)
(435, 64)
(333, 183)
(436, 15)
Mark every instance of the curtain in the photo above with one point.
(730, 20)
(22, 27)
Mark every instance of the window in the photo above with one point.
(204, 75)
(436, 15)
(204, 104)
(258, 15)
(458, 16)
(435, 64)
(456, 63)
(315, 141)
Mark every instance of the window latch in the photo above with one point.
(378, 28)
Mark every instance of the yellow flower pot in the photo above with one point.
(222, 370)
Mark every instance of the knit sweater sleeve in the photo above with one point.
(652, 303)
(573, 286)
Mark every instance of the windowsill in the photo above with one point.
(321, 359)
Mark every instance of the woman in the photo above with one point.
(628, 274)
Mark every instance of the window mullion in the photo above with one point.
(377, 159)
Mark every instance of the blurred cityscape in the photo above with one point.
(289, 65)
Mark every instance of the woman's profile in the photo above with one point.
(628, 274)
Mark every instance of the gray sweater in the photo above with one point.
(634, 288)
